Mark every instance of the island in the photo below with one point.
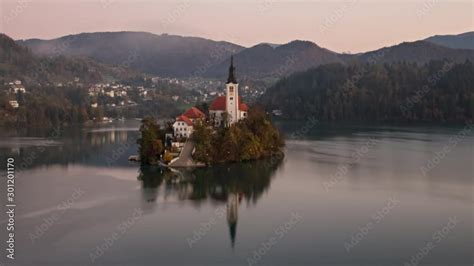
(225, 131)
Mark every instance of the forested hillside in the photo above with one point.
(18, 62)
(163, 55)
(179, 56)
(436, 91)
(57, 89)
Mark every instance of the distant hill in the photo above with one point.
(18, 62)
(419, 52)
(273, 45)
(176, 56)
(266, 60)
(165, 55)
(460, 41)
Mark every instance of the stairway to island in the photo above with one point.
(185, 158)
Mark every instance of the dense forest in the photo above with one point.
(47, 106)
(436, 91)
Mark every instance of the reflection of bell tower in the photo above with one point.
(232, 215)
(232, 94)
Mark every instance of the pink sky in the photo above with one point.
(342, 26)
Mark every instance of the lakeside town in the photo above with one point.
(116, 95)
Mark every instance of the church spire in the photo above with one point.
(231, 78)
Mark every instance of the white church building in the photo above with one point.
(229, 107)
(224, 108)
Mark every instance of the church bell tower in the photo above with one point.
(232, 95)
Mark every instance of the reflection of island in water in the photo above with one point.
(229, 184)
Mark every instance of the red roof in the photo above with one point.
(183, 118)
(194, 113)
(219, 103)
(243, 107)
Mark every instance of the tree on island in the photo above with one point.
(252, 138)
(150, 144)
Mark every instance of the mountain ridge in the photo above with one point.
(455, 41)
(184, 56)
(167, 55)
(418, 51)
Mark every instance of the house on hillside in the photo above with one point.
(16, 87)
(14, 104)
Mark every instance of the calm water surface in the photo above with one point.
(343, 195)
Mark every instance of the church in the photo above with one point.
(228, 109)
(223, 111)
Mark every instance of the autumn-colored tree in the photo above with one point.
(249, 139)
(202, 137)
(150, 142)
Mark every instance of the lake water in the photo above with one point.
(342, 195)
